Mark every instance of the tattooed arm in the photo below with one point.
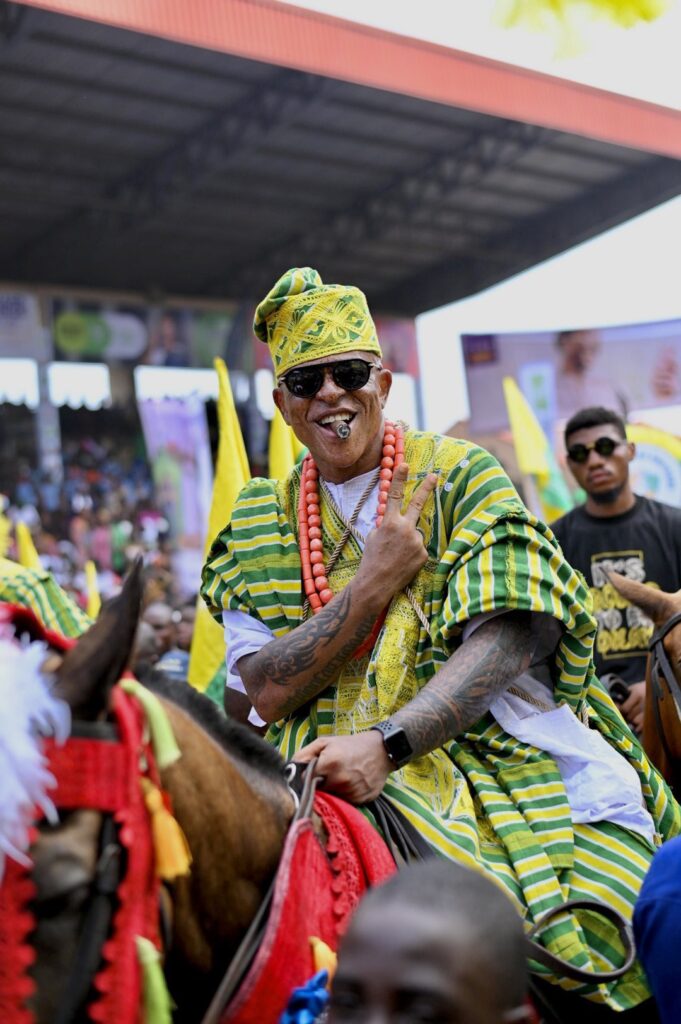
(356, 767)
(291, 670)
(463, 689)
(287, 672)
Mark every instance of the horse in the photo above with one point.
(662, 716)
(230, 792)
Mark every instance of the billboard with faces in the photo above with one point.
(625, 368)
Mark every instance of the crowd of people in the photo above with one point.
(104, 510)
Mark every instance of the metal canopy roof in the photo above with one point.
(138, 163)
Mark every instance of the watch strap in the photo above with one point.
(395, 742)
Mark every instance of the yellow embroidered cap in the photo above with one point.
(303, 319)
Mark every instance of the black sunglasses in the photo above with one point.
(603, 445)
(349, 374)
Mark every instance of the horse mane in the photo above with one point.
(233, 737)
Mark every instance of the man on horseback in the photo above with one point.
(393, 609)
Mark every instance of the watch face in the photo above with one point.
(398, 746)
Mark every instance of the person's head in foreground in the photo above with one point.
(437, 944)
(327, 364)
(599, 456)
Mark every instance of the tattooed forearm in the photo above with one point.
(289, 671)
(462, 691)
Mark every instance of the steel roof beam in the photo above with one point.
(213, 146)
(179, 170)
(537, 239)
(399, 203)
(15, 21)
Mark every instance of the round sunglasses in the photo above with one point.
(349, 374)
(603, 445)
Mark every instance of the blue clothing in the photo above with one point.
(174, 663)
(308, 1002)
(657, 929)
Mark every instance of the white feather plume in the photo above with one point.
(28, 712)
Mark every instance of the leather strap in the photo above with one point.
(665, 628)
(662, 675)
(405, 843)
(103, 730)
(303, 784)
(542, 955)
(95, 927)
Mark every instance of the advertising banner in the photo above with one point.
(656, 470)
(625, 368)
(170, 335)
(176, 437)
(22, 333)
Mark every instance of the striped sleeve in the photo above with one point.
(499, 556)
(254, 564)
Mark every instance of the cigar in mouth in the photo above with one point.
(342, 430)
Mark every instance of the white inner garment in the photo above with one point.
(600, 784)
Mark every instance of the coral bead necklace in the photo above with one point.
(315, 579)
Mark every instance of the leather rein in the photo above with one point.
(662, 675)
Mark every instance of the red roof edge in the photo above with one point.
(281, 34)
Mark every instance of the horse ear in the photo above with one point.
(91, 668)
(657, 605)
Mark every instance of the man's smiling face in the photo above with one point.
(314, 419)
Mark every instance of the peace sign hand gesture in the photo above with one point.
(395, 551)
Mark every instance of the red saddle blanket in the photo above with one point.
(315, 893)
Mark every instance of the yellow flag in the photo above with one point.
(26, 552)
(641, 433)
(656, 470)
(231, 474)
(5, 531)
(624, 13)
(535, 457)
(285, 448)
(94, 601)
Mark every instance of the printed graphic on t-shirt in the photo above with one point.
(623, 629)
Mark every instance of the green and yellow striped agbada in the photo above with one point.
(484, 799)
(39, 591)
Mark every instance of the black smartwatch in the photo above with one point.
(395, 741)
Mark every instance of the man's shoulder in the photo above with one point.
(455, 452)
(659, 510)
(432, 437)
(659, 520)
(258, 490)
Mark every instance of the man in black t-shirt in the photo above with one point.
(617, 529)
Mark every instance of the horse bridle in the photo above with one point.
(661, 674)
(97, 768)
(96, 925)
(101, 902)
